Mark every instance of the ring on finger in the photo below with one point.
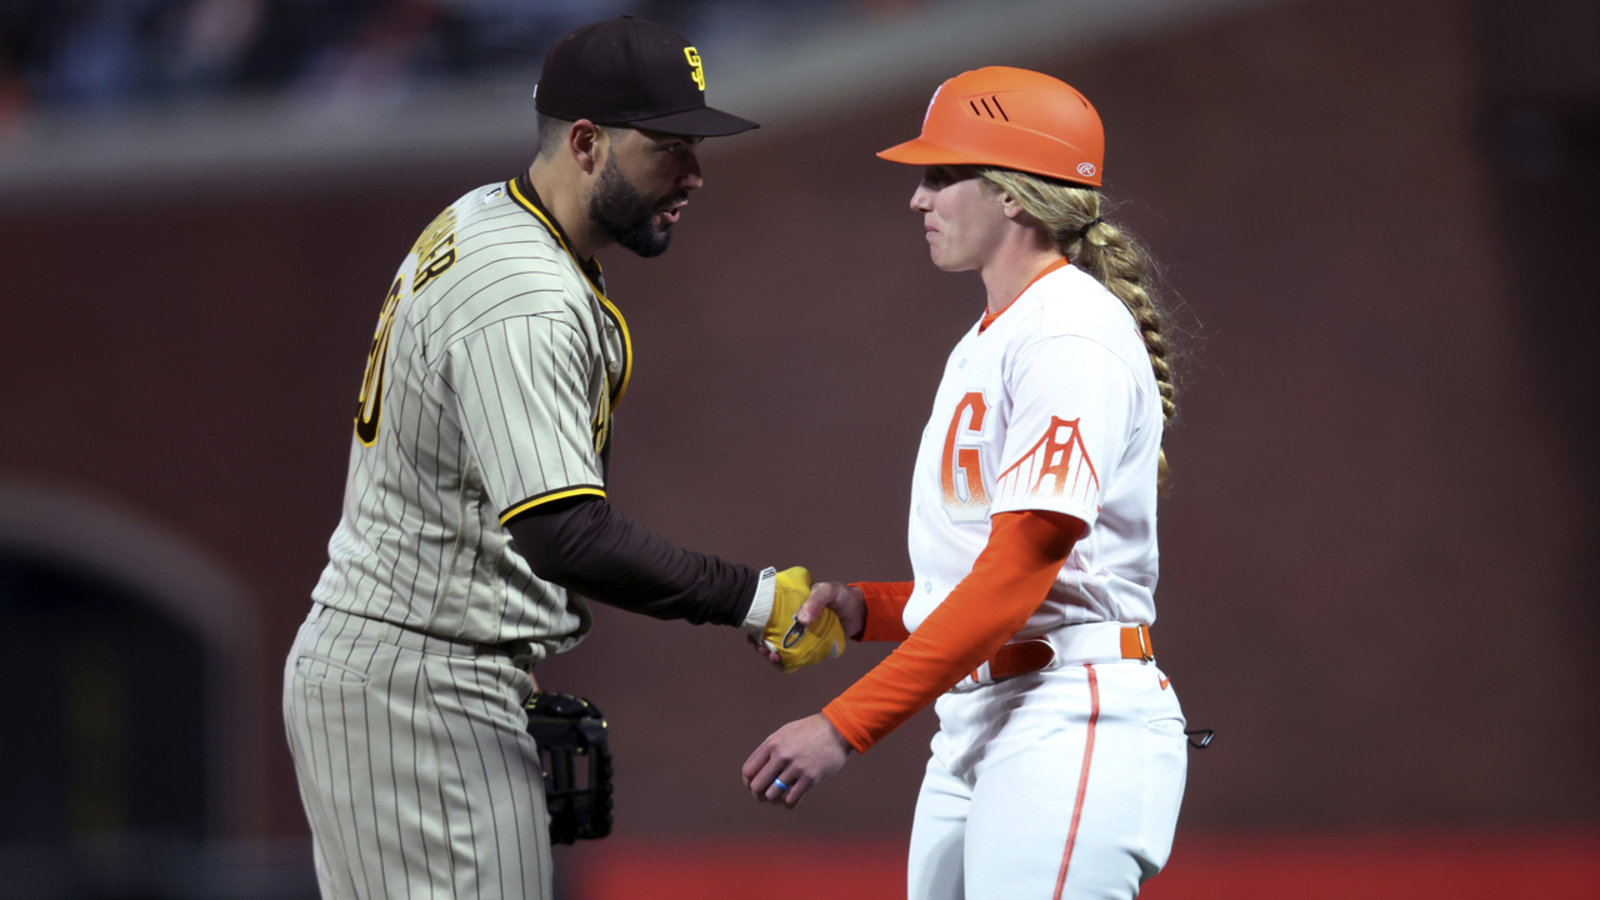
(779, 785)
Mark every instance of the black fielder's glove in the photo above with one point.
(571, 734)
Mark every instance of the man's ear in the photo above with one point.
(586, 142)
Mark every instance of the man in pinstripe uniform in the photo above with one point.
(475, 510)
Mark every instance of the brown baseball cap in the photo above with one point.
(627, 71)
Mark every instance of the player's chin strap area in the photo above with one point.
(569, 730)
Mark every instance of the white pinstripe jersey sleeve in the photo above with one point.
(522, 394)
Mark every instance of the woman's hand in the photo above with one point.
(798, 755)
(846, 602)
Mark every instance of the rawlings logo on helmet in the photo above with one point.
(1086, 169)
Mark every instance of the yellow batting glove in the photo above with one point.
(799, 645)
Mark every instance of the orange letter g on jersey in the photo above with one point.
(961, 468)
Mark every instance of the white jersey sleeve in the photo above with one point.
(521, 388)
(1072, 401)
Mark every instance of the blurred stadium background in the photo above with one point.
(1378, 219)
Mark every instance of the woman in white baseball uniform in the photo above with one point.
(1060, 760)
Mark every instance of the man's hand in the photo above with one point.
(845, 601)
(798, 755)
(776, 632)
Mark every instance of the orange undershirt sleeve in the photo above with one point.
(1007, 583)
(886, 606)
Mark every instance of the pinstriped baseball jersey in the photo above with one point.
(494, 370)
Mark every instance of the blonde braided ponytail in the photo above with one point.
(1071, 214)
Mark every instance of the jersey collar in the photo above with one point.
(989, 317)
(528, 198)
(522, 192)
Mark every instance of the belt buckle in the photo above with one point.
(1145, 651)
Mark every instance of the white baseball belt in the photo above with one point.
(1070, 645)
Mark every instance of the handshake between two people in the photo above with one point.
(801, 624)
(806, 623)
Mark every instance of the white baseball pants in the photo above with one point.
(1055, 784)
(416, 768)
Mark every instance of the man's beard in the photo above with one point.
(626, 216)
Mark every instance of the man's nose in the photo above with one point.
(689, 177)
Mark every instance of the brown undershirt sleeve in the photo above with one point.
(586, 545)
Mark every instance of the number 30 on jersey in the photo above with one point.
(435, 253)
(369, 409)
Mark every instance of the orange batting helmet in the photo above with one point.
(1013, 118)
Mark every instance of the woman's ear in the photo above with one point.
(1014, 210)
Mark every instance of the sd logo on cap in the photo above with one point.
(627, 71)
